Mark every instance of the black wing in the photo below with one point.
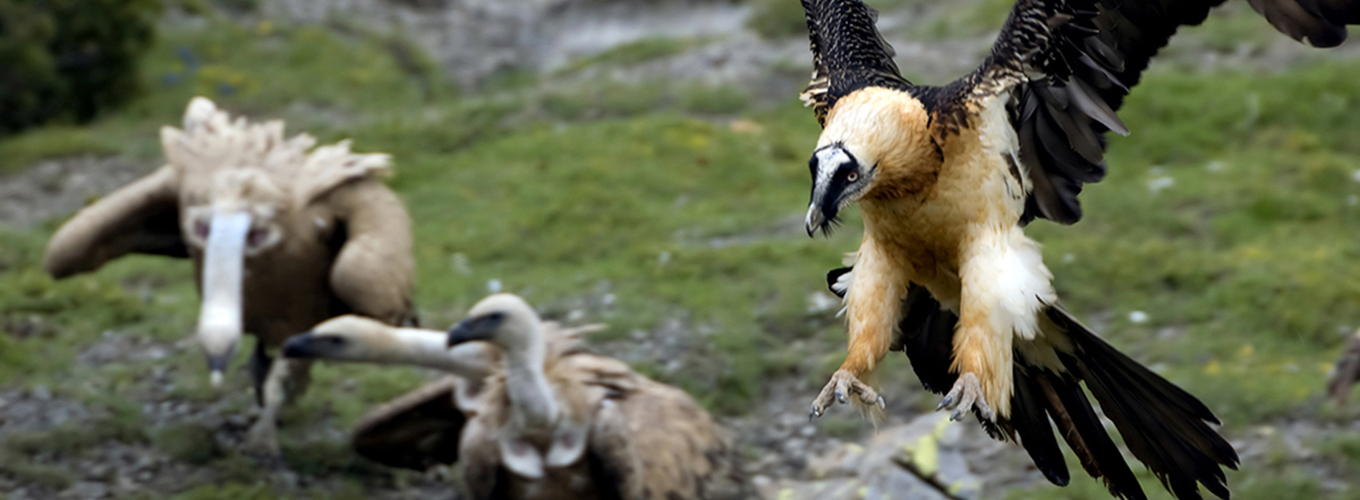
(848, 53)
(1069, 64)
(1322, 22)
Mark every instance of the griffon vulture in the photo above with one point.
(422, 428)
(946, 179)
(282, 236)
(551, 421)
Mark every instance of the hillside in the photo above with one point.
(658, 184)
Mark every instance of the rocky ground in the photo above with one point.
(473, 41)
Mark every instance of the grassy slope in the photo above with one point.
(1243, 265)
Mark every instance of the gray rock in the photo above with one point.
(37, 409)
(919, 460)
(86, 490)
(474, 39)
(55, 188)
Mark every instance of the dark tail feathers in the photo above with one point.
(1163, 426)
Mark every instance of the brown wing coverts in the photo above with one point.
(373, 271)
(848, 53)
(416, 431)
(142, 217)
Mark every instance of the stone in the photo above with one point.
(87, 490)
(918, 460)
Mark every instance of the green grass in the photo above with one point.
(23, 469)
(189, 442)
(785, 18)
(1245, 265)
(1242, 264)
(640, 51)
(53, 141)
(123, 423)
(777, 19)
(964, 20)
(1278, 478)
(262, 492)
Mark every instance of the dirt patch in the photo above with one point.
(36, 409)
(55, 188)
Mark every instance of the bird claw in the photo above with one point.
(842, 386)
(944, 403)
(965, 395)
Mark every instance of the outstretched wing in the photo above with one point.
(142, 217)
(1322, 22)
(1069, 64)
(848, 53)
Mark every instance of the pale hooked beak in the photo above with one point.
(814, 220)
(219, 321)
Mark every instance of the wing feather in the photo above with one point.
(848, 54)
(415, 431)
(1321, 22)
(373, 272)
(142, 217)
(1079, 58)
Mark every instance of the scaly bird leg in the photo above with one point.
(966, 394)
(979, 359)
(1003, 285)
(873, 299)
(842, 385)
(297, 379)
(262, 438)
(873, 305)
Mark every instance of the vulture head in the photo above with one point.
(366, 340)
(547, 427)
(242, 190)
(839, 178)
(504, 320)
(347, 338)
(876, 143)
(239, 221)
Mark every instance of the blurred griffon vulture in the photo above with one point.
(946, 179)
(282, 236)
(550, 420)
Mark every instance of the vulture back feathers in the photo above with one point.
(647, 440)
